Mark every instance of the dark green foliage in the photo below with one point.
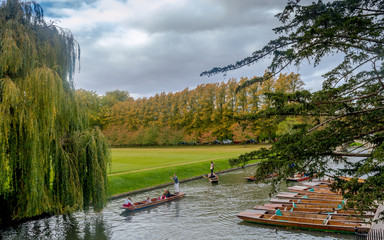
(50, 161)
(349, 107)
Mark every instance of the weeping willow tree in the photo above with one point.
(51, 161)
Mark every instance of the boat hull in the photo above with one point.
(298, 179)
(143, 205)
(305, 223)
(306, 201)
(214, 179)
(318, 210)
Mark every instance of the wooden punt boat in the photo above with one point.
(316, 194)
(324, 211)
(316, 187)
(336, 208)
(298, 178)
(324, 207)
(271, 175)
(323, 184)
(154, 202)
(360, 180)
(293, 195)
(305, 189)
(319, 186)
(250, 178)
(214, 178)
(328, 225)
(307, 201)
(287, 213)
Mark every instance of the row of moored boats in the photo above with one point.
(312, 206)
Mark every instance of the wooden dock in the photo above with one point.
(377, 228)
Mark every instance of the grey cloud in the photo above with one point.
(207, 15)
(183, 42)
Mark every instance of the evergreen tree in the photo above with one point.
(350, 105)
(50, 161)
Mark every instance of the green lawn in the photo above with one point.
(133, 159)
(136, 168)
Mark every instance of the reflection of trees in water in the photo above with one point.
(97, 229)
(177, 208)
(67, 227)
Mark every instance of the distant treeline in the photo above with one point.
(213, 111)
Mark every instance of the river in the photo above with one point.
(207, 212)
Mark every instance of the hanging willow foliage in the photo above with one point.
(51, 161)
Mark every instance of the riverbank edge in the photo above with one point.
(121, 195)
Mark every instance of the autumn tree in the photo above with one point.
(350, 105)
(242, 131)
(51, 162)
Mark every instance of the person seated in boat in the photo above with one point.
(164, 196)
(167, 194)
(128, 202)
(212, 175)
(148, 199)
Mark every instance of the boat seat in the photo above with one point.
(327, 219)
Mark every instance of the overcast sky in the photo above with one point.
(152, 46)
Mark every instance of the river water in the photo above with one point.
(207, 212)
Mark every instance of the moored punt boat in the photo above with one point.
(327, 225)
(335, 208)
(317, 186)
(324, 216)
(305, 189)
(294, 195)
(315, 194)
(214, 178)
(308, 201)
(298, 178)
(360, 180)
(250, 178)
(154, 202)
(323, 184)
(271, 175)
(323, 211)
(324, 207)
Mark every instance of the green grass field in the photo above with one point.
(136, 168)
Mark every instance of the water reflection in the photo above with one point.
(68, 227)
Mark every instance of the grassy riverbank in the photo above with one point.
(137, 168)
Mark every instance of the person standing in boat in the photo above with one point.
(212, 168)
(176, 186)
(128, 202)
